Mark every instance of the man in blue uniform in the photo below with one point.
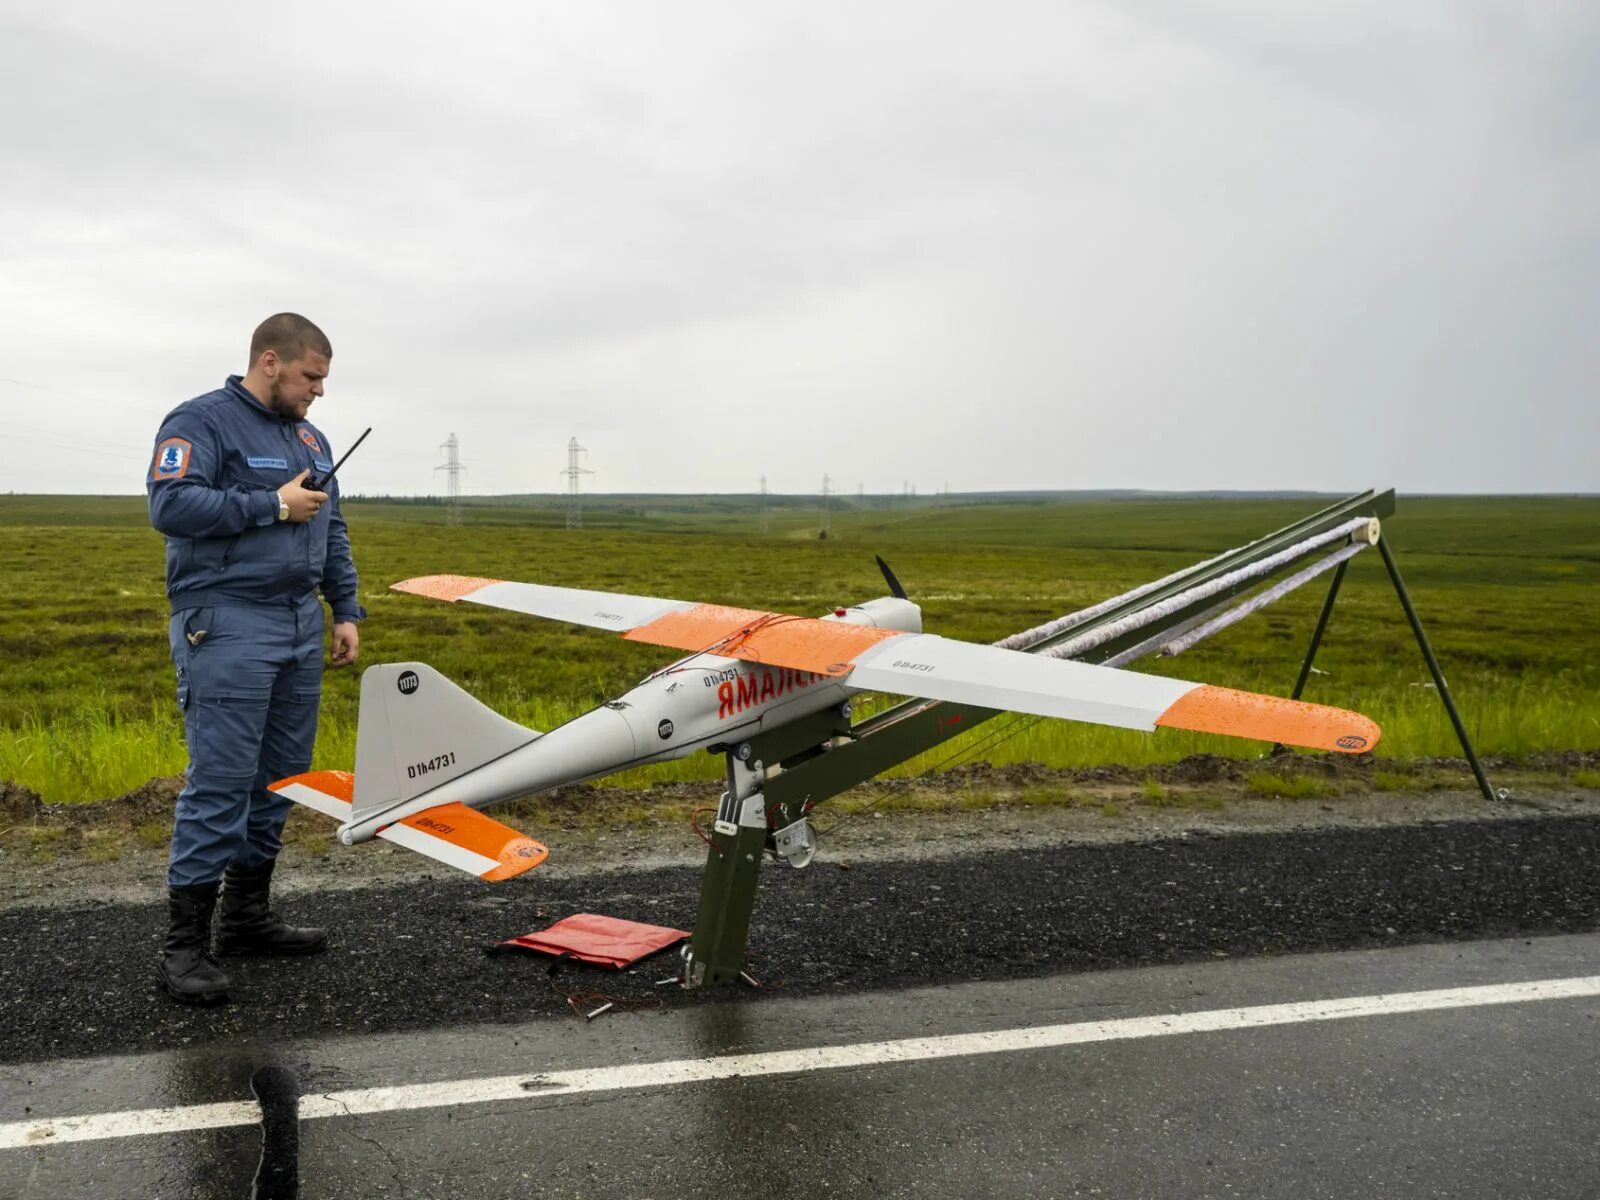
(249, 545)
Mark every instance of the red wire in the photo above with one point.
(696, 826)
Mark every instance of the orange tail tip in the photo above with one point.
(341, 785)
(468, 840)
(1271, 719)
(443, 587)
(329, 792)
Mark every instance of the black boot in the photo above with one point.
(187, 970)
(249, 926)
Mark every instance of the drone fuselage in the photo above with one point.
(702, 702)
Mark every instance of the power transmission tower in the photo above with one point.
(452, 469)
(574, 512)
(763, 504)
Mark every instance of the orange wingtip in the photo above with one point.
(802, 643)
(1271, 719)
(341, 785)
(443, 587)
(472, 830)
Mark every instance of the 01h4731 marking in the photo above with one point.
(437, 763)
(748, 672)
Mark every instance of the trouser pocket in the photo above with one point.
(187, 631)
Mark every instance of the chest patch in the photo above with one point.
(172, 459)
(310, 439)
(256, 461)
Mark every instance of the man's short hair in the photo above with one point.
(291, 335)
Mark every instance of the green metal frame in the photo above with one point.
(908, 729)
(715, 952)
(1434, 668)
(1322, 627)
(819, 757)
(727, 898)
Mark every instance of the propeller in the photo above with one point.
(895, 590)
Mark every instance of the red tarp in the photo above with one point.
(603, 941)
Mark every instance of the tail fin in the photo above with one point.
(418, 730)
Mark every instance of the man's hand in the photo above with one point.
(303, 505)
(346, 643)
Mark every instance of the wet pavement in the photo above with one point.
(1496, 1100)
(1491, 1100)
(79, 979)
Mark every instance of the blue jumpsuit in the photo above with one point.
(246, 626)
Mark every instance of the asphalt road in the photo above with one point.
(78, 979)
(1496, 1099)
(1491, 1100)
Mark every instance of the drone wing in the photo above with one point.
(923, 665)
(940, 669)
(801, 643)
(602, 610)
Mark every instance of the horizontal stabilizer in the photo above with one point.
(454, 834)
(329, 792)
(464, 838)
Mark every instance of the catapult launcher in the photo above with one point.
(773, 695)
(791, 772)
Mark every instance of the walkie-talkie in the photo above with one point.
(321, 485)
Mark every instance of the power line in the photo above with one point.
(573, 471)
(452, 469)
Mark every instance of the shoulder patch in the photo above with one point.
(310, 439)
(172, 459)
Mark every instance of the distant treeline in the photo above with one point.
(385, 498)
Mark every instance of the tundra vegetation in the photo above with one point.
(1506, 586)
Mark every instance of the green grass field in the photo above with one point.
(1507, 587)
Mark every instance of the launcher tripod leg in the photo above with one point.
(1316, 641)
(1316, 635)
(715, 953)
(1438, 674)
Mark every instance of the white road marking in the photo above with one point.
(359, 1101)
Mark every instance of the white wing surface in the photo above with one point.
(920, 664)
(601, 610)
(964, 673)
(940, 669)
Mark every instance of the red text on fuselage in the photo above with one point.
(747, 691)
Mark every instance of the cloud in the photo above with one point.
(1030, 245)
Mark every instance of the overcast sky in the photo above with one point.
(1140, 243)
